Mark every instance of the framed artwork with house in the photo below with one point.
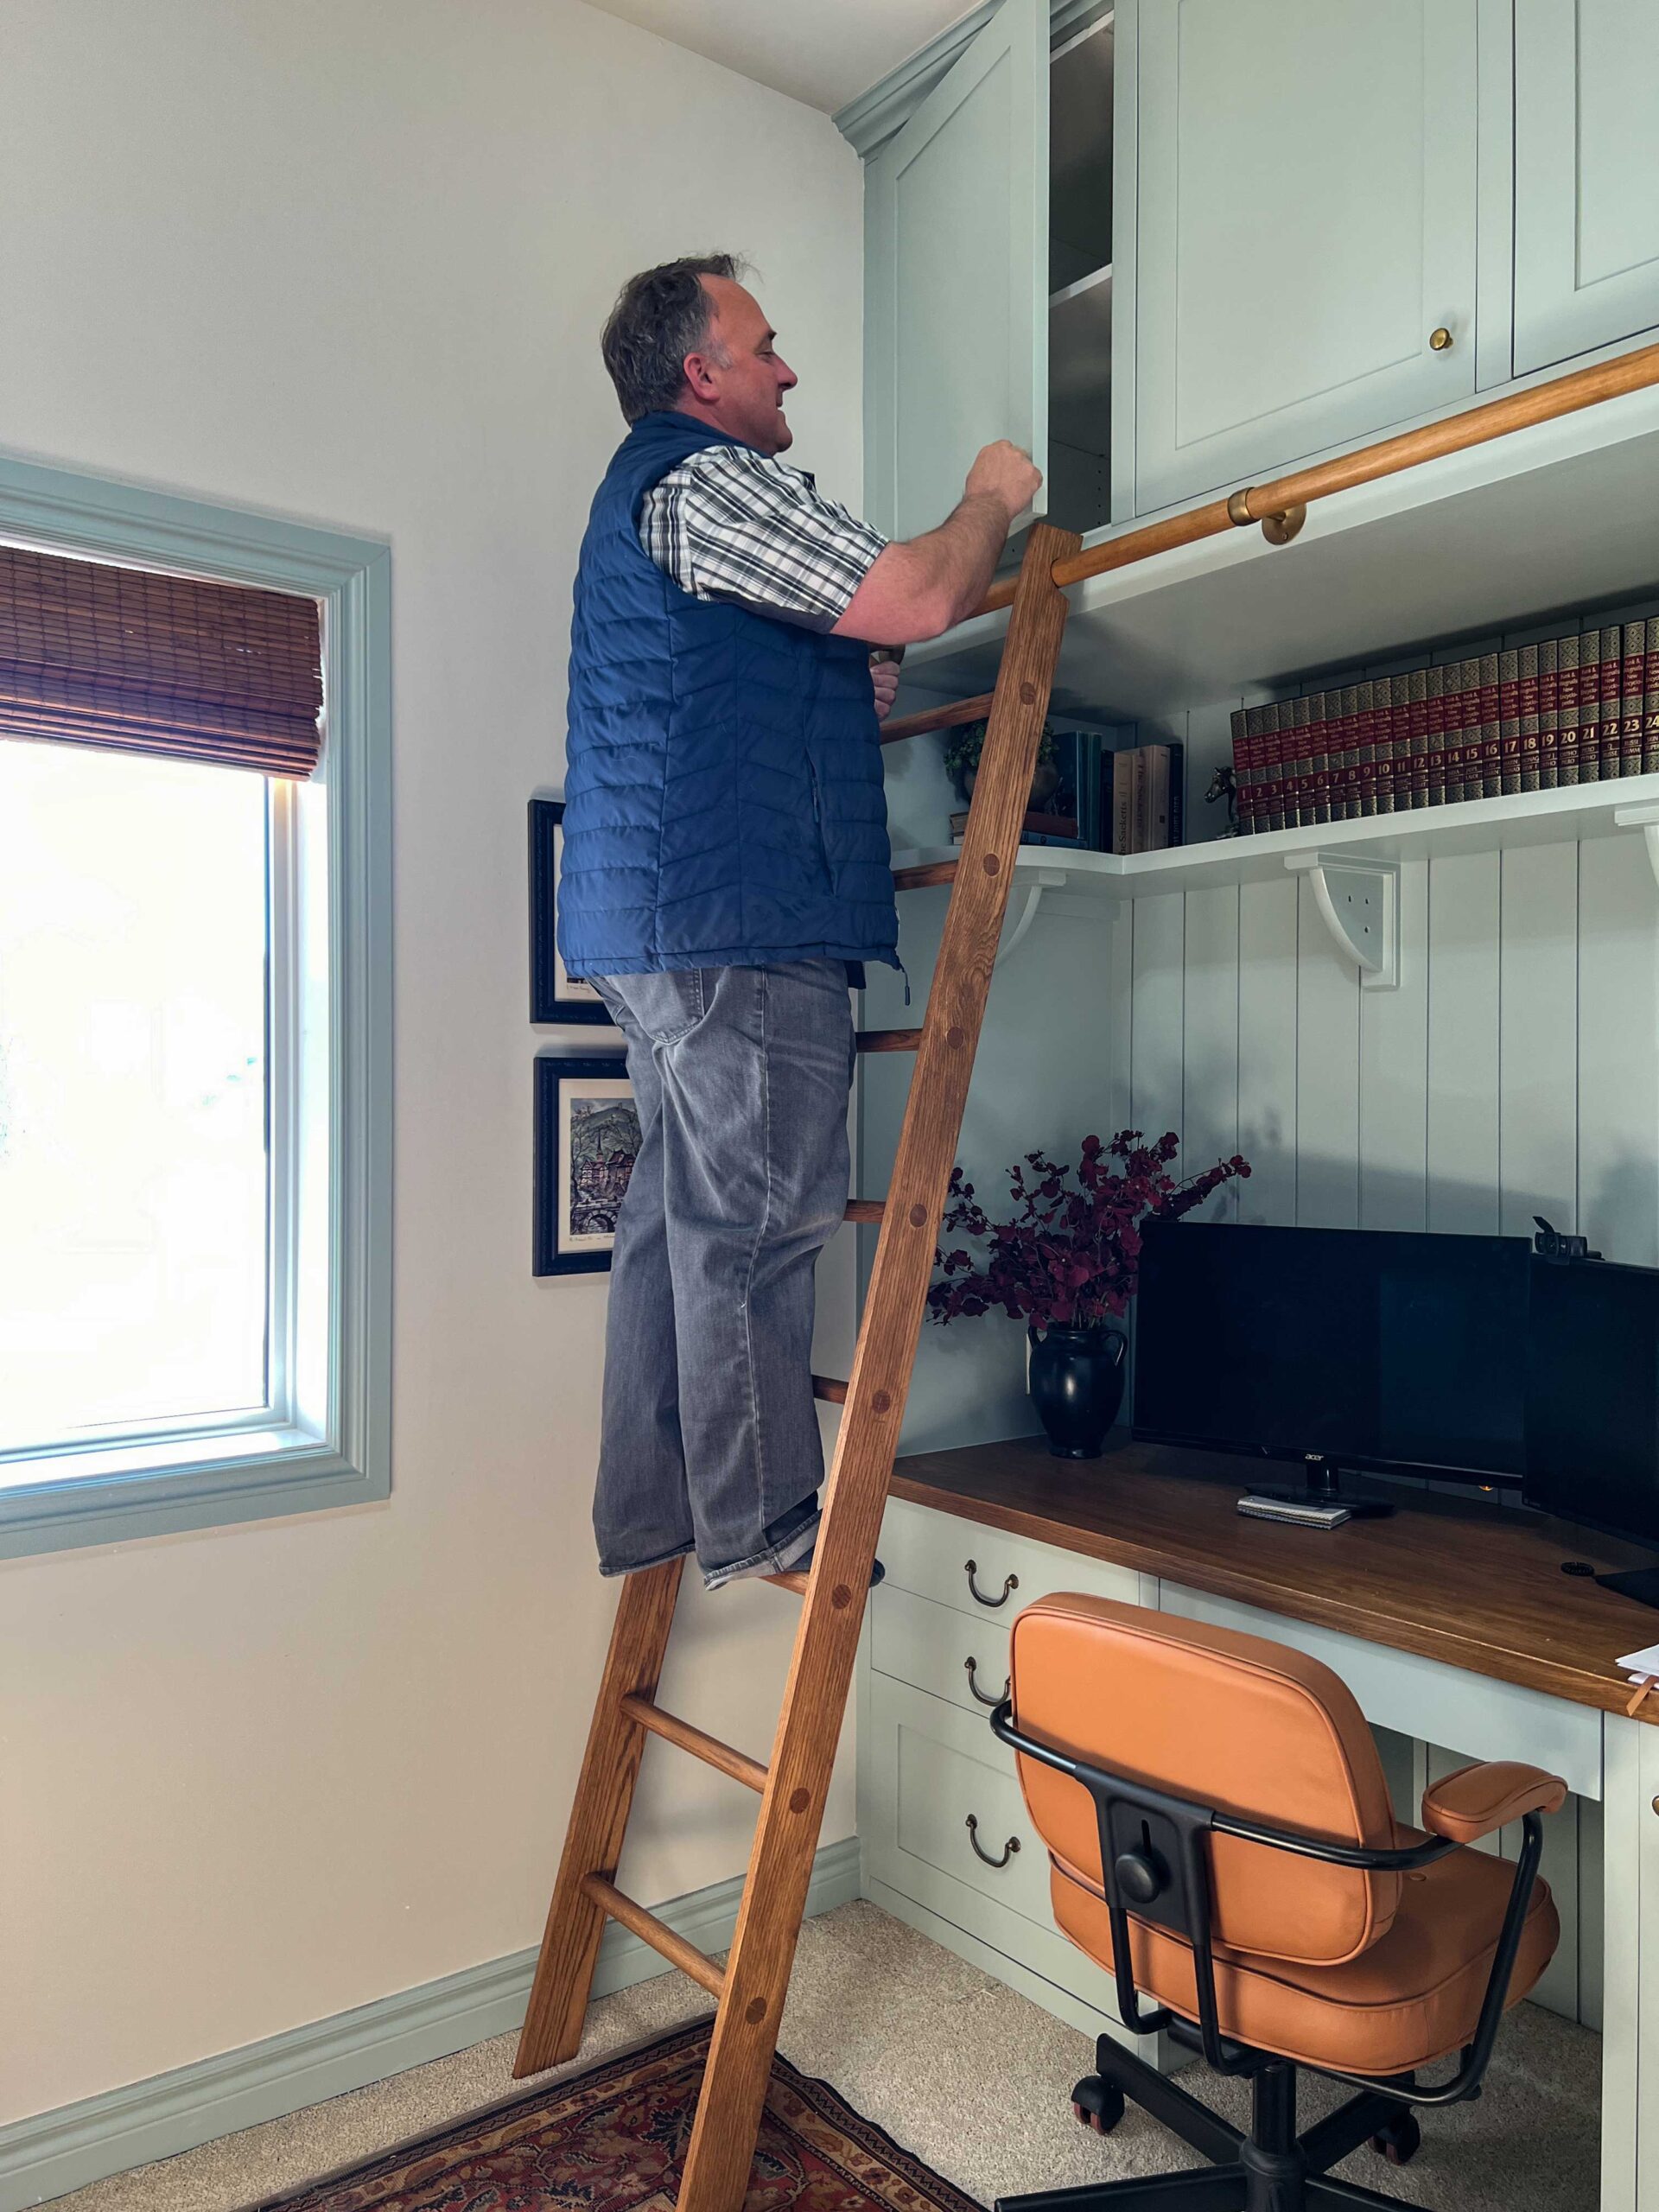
(586, 1139)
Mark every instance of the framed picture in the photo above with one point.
(554, 996)
(586, 1139)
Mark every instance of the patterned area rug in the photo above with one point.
(614, 2140)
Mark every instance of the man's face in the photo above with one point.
(740, 379)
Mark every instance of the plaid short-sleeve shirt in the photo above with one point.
(733, 523)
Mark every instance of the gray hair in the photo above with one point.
(660, 316)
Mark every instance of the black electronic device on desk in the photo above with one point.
(1335, 1349)
(1593, 1399)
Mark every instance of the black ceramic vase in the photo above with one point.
(1077, 1386)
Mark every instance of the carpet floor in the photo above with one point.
(972, 2078)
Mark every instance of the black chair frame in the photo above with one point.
(1154, 1857)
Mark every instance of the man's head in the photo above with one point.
(688, 336)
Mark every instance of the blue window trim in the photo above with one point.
(58, 509)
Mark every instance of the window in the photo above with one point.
(194, 1137)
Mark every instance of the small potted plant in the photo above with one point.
(962, 748)
(1066, 1263)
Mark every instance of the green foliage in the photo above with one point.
(964, 746)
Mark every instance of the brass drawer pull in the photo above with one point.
(970, 1567)
(980, 1852)
(1007, 1687)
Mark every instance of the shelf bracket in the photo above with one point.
(1646, 819)
(1359, 900)
(1048, 879)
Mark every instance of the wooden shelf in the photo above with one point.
(1558, 518)
(1481, 825)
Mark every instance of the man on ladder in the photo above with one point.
(725, 874)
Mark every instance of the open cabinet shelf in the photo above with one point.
(1481, 825)
(1080, 80)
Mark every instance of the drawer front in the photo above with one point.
(942, 1769)
(939, 1649)
(984, 1573)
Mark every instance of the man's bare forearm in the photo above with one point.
(927, 584)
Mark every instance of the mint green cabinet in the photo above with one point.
(956, 261)
(1307, 220)
(1587, 175)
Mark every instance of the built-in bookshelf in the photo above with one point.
(1080, 277)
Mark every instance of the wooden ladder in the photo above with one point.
(749, 1989)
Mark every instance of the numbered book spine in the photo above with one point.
(1299, 796)
(1527, 684)
(1365, 748)
(1462, 719)
(1491, 742)
(1610, 724)
(1272, 811)
(1549, 716)
(1434, 740)
(1567, 651)
(1509, 721)
(1243, 735)
(1321, 714)
(1393, 778)
(1413, 791)
(1650, 700)
(1632, 666)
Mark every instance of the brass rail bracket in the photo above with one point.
(1278, 529)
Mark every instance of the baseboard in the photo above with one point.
(56, 2151)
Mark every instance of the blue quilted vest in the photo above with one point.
(723, 797)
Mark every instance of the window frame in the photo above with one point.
(339, 1453)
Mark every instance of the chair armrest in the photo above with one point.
(1478, 1799)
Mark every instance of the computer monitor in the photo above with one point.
(1338, 1348)
(1592, 1403)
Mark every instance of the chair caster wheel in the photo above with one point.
(1097, 2104)
(1400, 2141)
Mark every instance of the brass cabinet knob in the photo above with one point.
(1439, 340)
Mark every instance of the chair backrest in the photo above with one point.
(1232, 1722)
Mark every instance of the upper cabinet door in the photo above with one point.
(956, 259)
(1587, 175)
(1306, 175)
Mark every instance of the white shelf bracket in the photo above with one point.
(1360, 902)
(1646, 819)
(1048, 879)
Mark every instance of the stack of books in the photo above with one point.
(1577, 709)
(1109, 799)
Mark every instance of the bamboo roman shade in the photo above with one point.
(173, 665)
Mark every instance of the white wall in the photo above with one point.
(348, 259)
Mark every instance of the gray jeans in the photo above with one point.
(710, 1436)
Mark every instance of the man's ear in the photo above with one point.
(699, 379)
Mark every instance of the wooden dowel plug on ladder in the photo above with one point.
(749, 1990)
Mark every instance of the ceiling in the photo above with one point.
(824, 52)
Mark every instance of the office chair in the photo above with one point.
(1220, 1840)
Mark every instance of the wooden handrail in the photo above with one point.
(1475, 426)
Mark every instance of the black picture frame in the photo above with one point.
(554, 996)
(575, 1227)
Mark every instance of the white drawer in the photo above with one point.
(939, 1649)
(945, 1770)
(940, 1556)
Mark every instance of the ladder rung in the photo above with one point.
(948, 717)
(710, 1749)
(919, 878)
(865, 1210)
(795, 1582)
(888, 1040)
(826, 1386)
(657, 1933)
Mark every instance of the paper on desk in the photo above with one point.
(1641, 1662)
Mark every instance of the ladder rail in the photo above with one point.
(826, 1641)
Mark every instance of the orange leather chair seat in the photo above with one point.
(1412, 1997)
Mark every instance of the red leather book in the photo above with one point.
(1373, 698)
(1651, 701)
(1434, 737)
(1415, 790)
(1527, 684)
(1244, 736)
(1491, 762)
(1611, 720)
(1271, 811)
(1509, 720)
(1632, 667)
(1462, 731)
(1567, 651)
(1549, 716)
